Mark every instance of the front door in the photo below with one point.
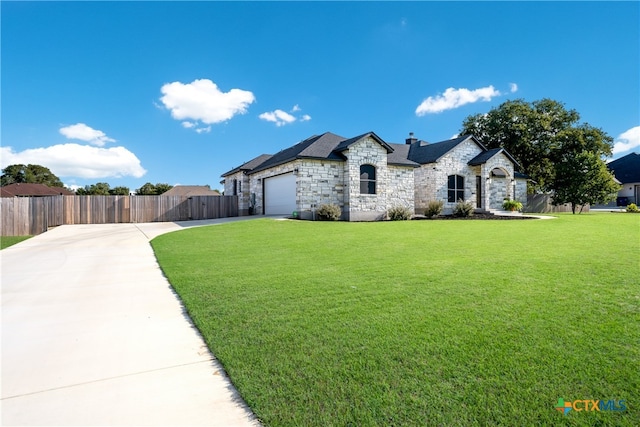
(478, 192)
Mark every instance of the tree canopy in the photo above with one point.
(547, 140)
(150, 189)
(31, 174)
(102, 189)
(537, 134)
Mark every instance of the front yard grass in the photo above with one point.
(455, 323)
(6, 241)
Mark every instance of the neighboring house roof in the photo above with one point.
(251, 164)
(627, 168)
(191, 190)
(35, 190)
(486, 155)
(423, 152)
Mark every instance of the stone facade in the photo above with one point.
(336, 180)
(432, 179)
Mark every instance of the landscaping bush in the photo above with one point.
(632, 208)
(511, 205)
(329, 212)
(463, 209)
(434, 208)
(399, 213)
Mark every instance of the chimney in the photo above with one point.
(411, 139)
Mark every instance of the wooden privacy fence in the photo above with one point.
(542, 203)
(33, 215)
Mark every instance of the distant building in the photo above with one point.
(33, 190)
(626, 169)
(191, 190)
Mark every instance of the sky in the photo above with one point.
(181, 92)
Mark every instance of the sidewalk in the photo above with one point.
(92, 334)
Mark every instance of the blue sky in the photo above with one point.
(179, 93)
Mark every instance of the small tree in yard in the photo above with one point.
(583, 179)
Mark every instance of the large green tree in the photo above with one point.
(149, 189)
(543, 136)
(32, 174)
(583, 179)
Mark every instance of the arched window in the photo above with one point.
(455, 188)
(367, 179)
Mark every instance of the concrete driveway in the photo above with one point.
(93, 334)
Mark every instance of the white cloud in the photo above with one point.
(627, 141)
(454, 98)
(513, 87)
(202, 101)
(188, 125)
(83, 132)
(279, 117)
(204, 130)
(76, 160)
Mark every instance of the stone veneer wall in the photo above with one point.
(366, 207)
(499, 188)
(431, 180)
(243, 188)
(401, 188)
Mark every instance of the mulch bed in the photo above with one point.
(473, 217)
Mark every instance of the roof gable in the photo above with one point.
(423, 152)
(626, 168)
(344, 145)
(486, 155)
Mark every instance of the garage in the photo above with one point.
(280, 194)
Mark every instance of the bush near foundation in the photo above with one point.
(434, 208)
(329, 212)
(463, 209)
(399, 213)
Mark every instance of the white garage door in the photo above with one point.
(280, 194)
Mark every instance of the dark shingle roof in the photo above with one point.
(627, 168)
(30, 189)
(486, 155)
(423, 152)
(316, 147)
(400, 156)
(251, 164)
(344, 145)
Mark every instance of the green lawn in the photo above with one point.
(6, 241)
(419, 322)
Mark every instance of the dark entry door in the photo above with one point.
(478, 192)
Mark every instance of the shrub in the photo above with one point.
(329, 212)
(633, 208)
(434, 208)
(399, 213)
(463, 209)
(511, 205)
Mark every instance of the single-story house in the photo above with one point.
(366, 176)
(24, 189)
(191, 190)
(626, 169)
